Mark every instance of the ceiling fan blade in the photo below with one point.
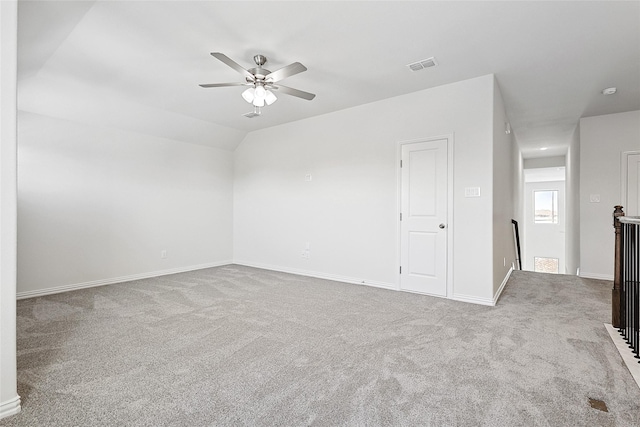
(231, 63)
(225, 84)
(284, 72)
(295, 92)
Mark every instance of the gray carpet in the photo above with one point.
(241, 346)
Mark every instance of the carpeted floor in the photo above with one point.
(241, 346)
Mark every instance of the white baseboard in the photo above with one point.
(307, 273)
(504, 283)
(484, 301)
(101, 282)
(596, 276)
(356, 281)
(473, 299)
(10, 407)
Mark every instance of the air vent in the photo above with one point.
(421, 65)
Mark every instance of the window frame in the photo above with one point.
(554, 207)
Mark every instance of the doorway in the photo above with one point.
(424, 228)
(631, 183)
(544, 210)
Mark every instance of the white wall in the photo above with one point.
(9, 399)
(602, 140)
(348, 212)
(572, 197)
(503, 187)
(98, 205)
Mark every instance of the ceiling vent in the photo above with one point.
(421, 65)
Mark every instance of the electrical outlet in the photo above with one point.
(306, 252)
(163, 254)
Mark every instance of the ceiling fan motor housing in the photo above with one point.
(259, 72)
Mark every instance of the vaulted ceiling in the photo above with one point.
(137, 65)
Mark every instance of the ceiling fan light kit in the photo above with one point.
(261, 82)
(258, 96)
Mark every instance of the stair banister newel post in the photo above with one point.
(617, 293)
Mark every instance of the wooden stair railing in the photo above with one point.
(617, 294)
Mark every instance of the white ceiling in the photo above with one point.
(137, 65)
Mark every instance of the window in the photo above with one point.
(545, 265)
(545, 207)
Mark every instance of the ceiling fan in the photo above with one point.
(262, 82)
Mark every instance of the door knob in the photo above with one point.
(441, 226)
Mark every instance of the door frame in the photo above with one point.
(450, 228)
(624, 166)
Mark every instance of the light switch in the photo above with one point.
(594, 198)
(308, 177)
(472, 192)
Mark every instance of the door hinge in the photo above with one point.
(400, 216)
(400, 269)
(400, 163)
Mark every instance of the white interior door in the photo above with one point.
(423, 245)
(544, 239)
(633, 185)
